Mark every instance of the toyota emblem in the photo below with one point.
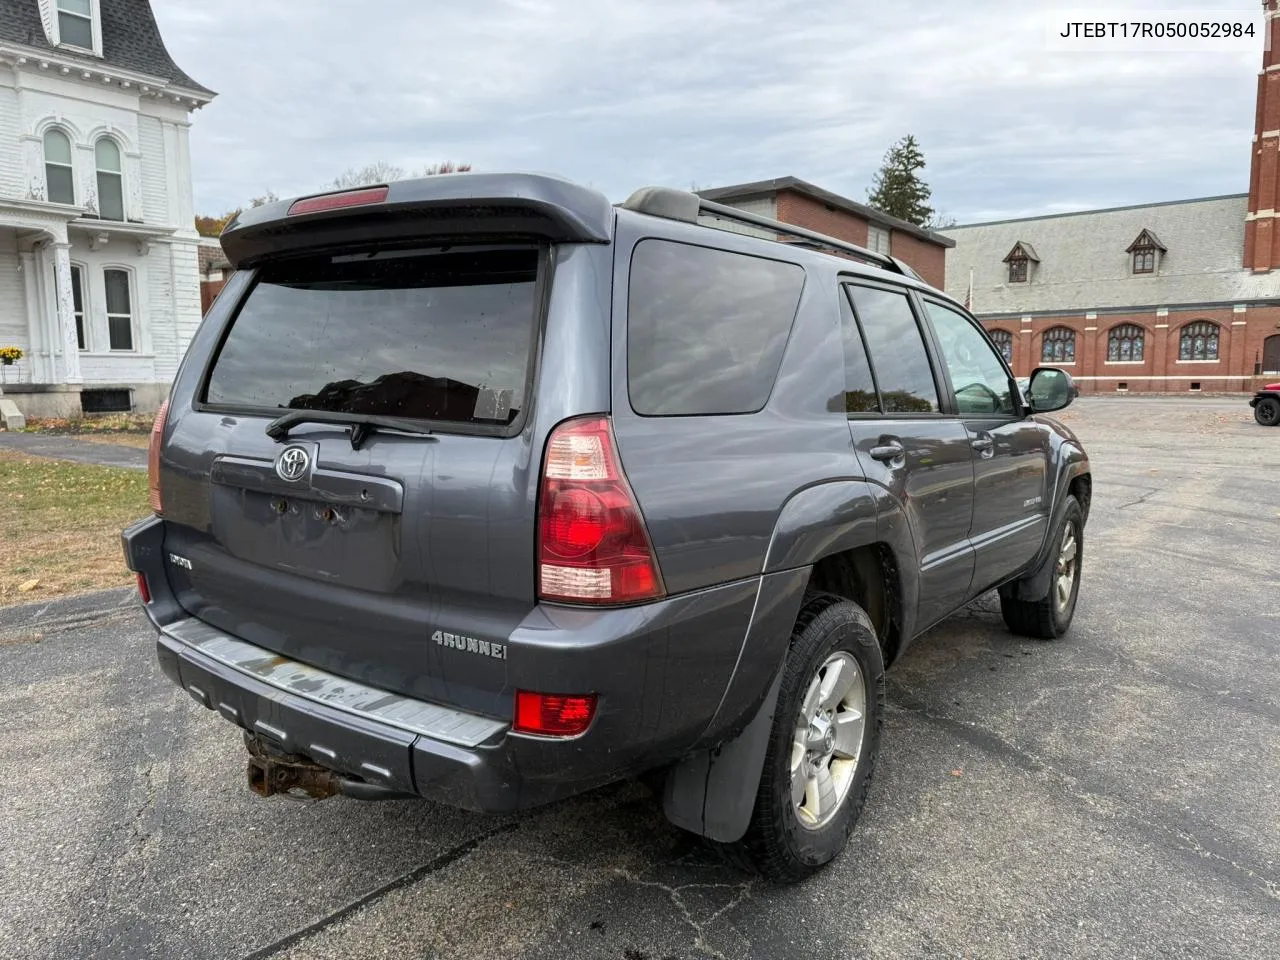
(292, 463)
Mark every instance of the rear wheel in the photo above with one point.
(823, 745)
(1049, 617)
(1267, 412)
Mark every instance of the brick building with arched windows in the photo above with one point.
(1180, 297)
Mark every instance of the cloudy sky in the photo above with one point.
(710, 92)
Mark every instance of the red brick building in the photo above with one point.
(1173, 297)
(214, 271)
(800, 203)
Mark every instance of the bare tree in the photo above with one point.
(379, 172)
(385, 172)
(448, 166)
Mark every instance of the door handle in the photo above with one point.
(985, 446)
(886, 452)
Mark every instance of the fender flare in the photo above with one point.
(712, 790)
(1035, 584)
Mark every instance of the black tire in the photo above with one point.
(1267, 412)
(776, 843)
(1046, 618)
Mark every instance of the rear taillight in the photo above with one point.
(553, 714)
(336, 201)
(592, 543)
(144, 590)
(153, 458)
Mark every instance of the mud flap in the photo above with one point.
(713, 792)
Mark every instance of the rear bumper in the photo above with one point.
(466, 763)
(669, 676)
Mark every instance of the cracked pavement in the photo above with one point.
(1112, 794)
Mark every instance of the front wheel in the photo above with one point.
(823, 744)
(1049, 617)
(1267, 412)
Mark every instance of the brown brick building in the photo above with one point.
(214, 271)
(797, 202)
(1175, 297)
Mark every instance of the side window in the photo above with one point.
(859, 386)
(980, 380)
(706, 328)
(898, 356)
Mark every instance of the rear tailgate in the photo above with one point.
(403, 563)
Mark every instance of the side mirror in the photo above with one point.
(1050, 389)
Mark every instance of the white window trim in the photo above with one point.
(134, 332)
(86, 316)
(875, 229)
(98, 171)
(1218, 360)
(50, 17)
(45, 164)
(1121, 363)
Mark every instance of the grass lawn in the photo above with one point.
(60, 524)
(138, 441)
(121, 429)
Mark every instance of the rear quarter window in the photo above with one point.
(426, 335)
(706, 328)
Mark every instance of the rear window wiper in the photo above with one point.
(362, 424)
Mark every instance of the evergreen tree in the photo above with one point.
(897, 188)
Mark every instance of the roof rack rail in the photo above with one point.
(683, 205)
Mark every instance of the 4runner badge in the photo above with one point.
(471, 645)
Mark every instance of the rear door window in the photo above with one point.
(420, 334)
(706, 328)
(898, 356)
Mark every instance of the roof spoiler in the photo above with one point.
(452, 206)
(674, 204)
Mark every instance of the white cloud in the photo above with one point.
(620, 94)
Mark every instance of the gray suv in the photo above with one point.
(480, 489)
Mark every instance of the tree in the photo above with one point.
(384, 172)
(208, 225)
(897, 188)
(940, 221)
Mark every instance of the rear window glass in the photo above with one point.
(426, 335)
(706, 328)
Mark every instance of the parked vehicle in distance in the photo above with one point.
(1266, 405)
(480, 489)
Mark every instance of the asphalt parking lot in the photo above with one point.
(1112, 794)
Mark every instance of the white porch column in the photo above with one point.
(42, 363)
(66, 316)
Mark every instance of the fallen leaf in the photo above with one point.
(957, 773)
(29, 585)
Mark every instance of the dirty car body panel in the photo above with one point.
(357, 585)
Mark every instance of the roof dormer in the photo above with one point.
(1145, 253)
(73, 24)
(1022, 260)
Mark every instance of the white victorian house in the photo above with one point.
(99, 280)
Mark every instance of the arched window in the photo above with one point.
(110, 180)
(57, 167)
(1003, 340)
(1199, 341)
(1125, 342)
(1058, 346)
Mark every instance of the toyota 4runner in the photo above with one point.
(480, 489)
